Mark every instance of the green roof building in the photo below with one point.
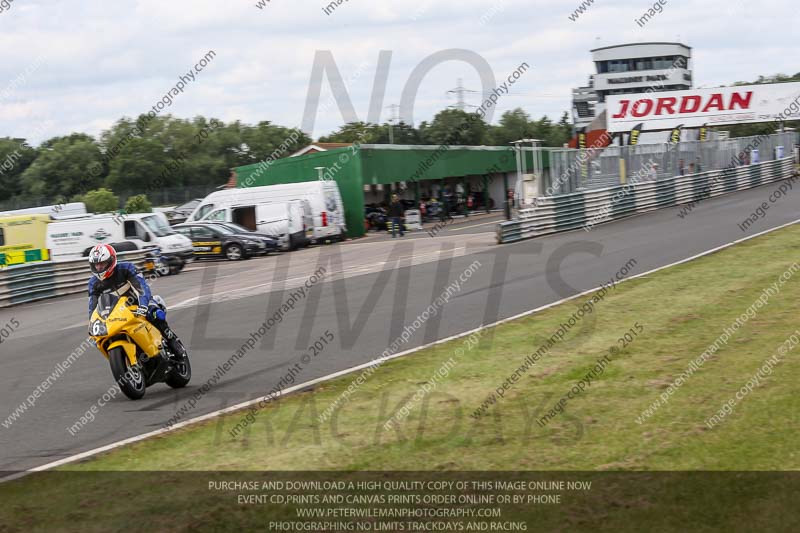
(369, 173)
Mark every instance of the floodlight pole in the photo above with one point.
(520, 159)
(522, 165)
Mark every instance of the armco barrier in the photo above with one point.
(38, 281)
(553, 214)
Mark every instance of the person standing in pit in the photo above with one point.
(396, 215)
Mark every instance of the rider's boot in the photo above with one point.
(175, 344)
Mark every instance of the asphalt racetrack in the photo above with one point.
(371, 289)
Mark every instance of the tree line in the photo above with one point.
(148, 154)
(751, 130)
(65, 168)
(143, 156)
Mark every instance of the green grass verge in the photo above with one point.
(682, 310)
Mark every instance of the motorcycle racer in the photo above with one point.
(109, 275)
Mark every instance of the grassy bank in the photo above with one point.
(676, 314)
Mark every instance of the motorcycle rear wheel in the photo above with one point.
(181, 374)
(130, 379)
(163, 269)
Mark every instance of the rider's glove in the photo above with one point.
(158, 314)
(141, 311)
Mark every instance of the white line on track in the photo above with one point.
(243, 405)
(475, 225)
(415, 235)
(247, 292)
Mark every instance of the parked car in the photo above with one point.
(211, 240)
(179, 214)
(272, 243)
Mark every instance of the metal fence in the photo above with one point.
(574, 170)
(589, 207)
(161, 197)
(38, 281)
(171, 196)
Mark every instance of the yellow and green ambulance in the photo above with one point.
(22, 239)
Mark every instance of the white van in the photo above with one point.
(74, 238)
(323, 197)
(289, 222)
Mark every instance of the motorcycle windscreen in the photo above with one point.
(106, 304)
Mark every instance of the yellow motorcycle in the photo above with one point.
(137, 352)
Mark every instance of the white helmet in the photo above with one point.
(103, 261)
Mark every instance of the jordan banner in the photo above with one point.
(744, 104)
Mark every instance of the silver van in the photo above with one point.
(291, 223)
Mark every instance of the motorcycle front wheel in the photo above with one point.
(130, 379)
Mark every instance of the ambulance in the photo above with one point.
(23, 239)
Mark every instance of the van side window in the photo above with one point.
(130, 230)
(134, 230)
(2, 237)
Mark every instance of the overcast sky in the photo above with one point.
(80, 66)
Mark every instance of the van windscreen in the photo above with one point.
(204, 210)
(157, 226)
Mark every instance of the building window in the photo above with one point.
(663, 63)
(642, 63)
(618, 66)
(583, 109)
